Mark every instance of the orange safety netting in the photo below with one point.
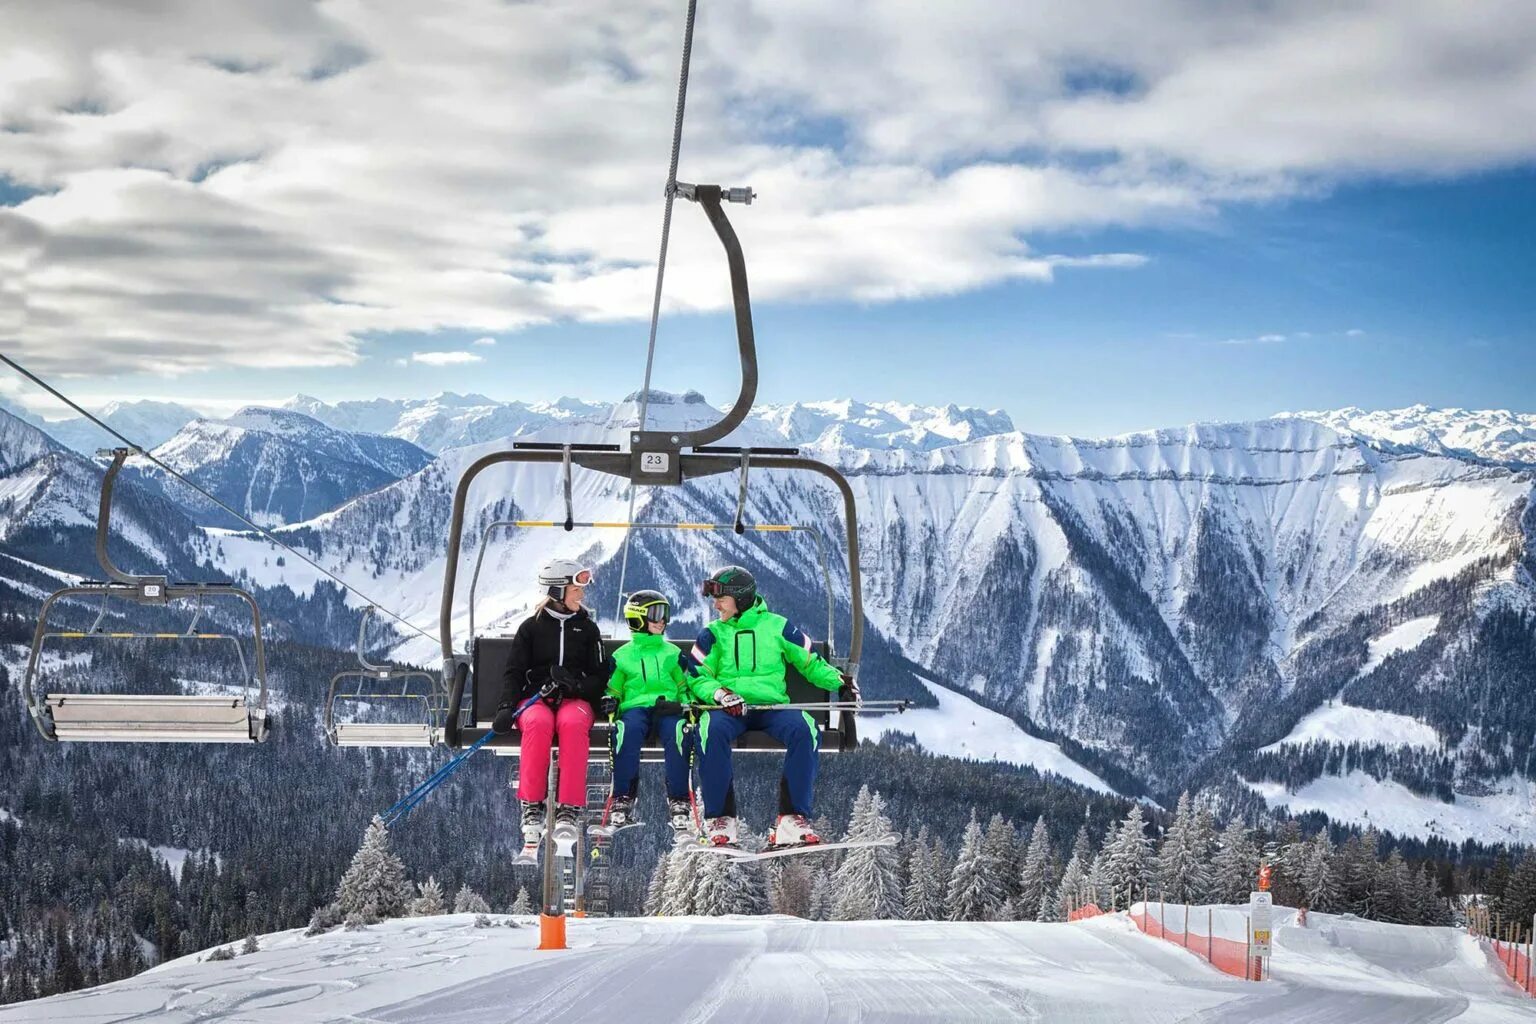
(1226, 955)
(1084, 912)
(1516, 964)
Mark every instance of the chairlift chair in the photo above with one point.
(370, 682)
(146, 718)
(653, 458)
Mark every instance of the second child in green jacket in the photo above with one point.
(646, 670)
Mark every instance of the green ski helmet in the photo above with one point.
(732, 581)
(646, 606)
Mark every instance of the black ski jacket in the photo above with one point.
(542, 641)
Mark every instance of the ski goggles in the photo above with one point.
(716, 588)
(583, 578)
(579, 578)
(656, 611)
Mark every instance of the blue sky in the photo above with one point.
(1265, 214)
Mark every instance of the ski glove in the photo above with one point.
(730, 703)
(608, 706)
(850, 690)
(564, 679)
(506, 714)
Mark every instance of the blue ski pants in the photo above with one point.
(630, 731)
(795, 729)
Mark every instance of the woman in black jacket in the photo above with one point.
(557, 651)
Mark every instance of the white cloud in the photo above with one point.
(445, 358)
(1354, 332)
(486, 342)
(262, 185)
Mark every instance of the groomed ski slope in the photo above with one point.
(783, 970)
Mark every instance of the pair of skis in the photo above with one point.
(736, 853)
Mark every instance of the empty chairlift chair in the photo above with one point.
(122, 717)
(415, 692)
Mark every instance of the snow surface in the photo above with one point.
(1506, 815)
(1346, 724)
(1403, 637)
(959, 727)
(784, 970)
(175, 857)
(6, 815)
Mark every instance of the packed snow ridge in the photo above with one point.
(446, 970)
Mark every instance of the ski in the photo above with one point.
(737, 853)
(528, 856)
(608, 831)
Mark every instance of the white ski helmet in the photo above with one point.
(559, 573)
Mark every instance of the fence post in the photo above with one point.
(1210, 936)
(1186, 926)
(1162, 916)
(1248, 954)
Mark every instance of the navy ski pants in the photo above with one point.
(629, 736)
(797, 730)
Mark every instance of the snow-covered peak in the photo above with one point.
(1496, 435)
(846, 423)
(145, 423)
(21, 443)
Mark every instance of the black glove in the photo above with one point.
(850, 689)
(506, 714)
(564, 679)
(608, 706)
(730, 703)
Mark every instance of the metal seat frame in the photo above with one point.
(146, 718)
(426, 733)
(657, 458)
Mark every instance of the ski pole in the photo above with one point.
(405, 804)
(877, 706)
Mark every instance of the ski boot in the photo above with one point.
(533, 833)
(567, 827)
(722, 831)
(680, 816)
(792, 830)
(620, 815)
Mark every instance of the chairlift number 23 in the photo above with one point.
(654, 462)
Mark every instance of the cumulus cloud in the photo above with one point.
(271, 184)
(486, 342)
(444, 358)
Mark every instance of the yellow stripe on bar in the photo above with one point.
(536, 522)
(611, 526)
(772, 528)
(695, 526)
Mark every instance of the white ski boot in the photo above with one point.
(567, 826)
(792, 830)
(533, 833)
(680, 816)
(620, 815)
(722, 831)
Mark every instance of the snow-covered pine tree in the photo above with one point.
(431, 902)
(1127, 866)
(1000, 846)
(1318, 885)
(1203, 840)
(1235, 868)
(1074, 890)
(374, 887)
(928, 882)
(1181, 875)
(973, 894)
(681, 878)
(655, 892)
(726, 886)
(868, 881)
(470, 902)
(790, 891)
(822, 895)
(251, 946)
(1034, 880)
(522, 904)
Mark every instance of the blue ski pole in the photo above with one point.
(407, 803)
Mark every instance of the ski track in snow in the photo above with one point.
(775, 970)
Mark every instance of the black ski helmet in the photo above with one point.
(732, 581)
(646, 606)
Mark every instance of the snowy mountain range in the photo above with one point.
(1221, 606)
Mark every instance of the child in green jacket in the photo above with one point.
(646, 670)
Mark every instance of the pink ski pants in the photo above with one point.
(538, 725)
